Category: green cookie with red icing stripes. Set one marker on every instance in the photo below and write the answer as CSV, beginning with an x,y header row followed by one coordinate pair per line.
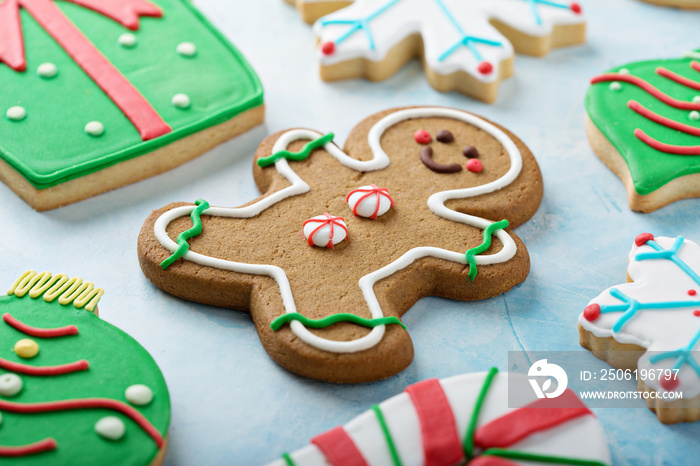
x,y
644,123
464,419
97,94
74,390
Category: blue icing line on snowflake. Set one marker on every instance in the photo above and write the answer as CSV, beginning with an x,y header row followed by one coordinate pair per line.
x,y
534,3
669,254
466,40
683,355
359,24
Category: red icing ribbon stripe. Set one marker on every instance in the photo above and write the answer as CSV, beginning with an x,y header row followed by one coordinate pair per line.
x,y
490,461
339,449
682,80
26,450
535,417
86,403
39,332
76,366
441,443
11,42
639,82
124,12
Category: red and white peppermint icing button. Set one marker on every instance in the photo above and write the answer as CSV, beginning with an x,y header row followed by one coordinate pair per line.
x,y
325,230
369,201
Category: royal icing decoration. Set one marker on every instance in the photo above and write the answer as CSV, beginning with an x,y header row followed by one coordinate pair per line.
x,y
436,203
656,311
463,418
94,128
369,201
325,230
181,101
139,395
16,113
85,365
458,36
112,79
646,116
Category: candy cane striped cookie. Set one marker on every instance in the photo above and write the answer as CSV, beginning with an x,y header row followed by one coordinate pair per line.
x,y
485,419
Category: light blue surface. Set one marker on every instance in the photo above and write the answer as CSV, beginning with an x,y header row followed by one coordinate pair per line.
x,y
231,403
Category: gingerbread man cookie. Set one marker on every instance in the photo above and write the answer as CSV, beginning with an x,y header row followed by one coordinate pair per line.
x,y
651,325
74,390
644,124
344,242
466,419
466,46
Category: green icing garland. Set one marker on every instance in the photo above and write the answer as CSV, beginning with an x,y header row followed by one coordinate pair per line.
x,y
280,321
116,361
471,253
608,109
182,245
49,147
296,156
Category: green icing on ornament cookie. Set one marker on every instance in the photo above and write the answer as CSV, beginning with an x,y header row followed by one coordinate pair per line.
x,y
645,109
50,147
116,362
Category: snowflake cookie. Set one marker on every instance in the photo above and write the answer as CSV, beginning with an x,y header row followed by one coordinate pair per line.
x,y
73,388
343,242
466,419
644,124
465,45
97,94
652,324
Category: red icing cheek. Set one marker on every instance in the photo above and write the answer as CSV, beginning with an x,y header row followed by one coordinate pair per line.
x,y
474,165
592,312
422,136
643,238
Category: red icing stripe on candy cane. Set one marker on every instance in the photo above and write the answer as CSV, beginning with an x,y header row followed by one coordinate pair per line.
x,y
339,449
667,99
530,419
30,449
86,403
490,461
662,120
76,366
441,443
39,332
667,148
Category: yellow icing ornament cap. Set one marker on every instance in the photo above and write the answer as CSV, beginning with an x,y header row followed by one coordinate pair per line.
x,y
73,290
26,348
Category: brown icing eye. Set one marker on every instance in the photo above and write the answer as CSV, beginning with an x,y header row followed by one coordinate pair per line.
x,y
444,136
470,152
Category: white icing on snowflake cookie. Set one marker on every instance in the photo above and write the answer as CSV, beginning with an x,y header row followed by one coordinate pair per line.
x,y
467,46
467,417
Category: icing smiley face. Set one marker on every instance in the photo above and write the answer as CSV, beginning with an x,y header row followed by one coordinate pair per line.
x,y
446,137
434,241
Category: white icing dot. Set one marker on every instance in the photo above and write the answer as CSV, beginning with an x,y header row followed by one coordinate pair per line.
x,y
110,427
694,115
127,40
94,128
16,113
696,99
139,395
615,86
319,230
187,49
10,384
181,101
623,71
47,70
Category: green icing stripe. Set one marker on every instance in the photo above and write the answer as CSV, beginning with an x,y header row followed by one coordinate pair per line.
x,y
182,245
296,156
387,435
525,456
288,459
471,427
471,259
333,319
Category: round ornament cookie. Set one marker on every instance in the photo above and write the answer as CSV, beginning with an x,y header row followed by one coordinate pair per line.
x,y
99,94
468,419
467,46
651,324
643,121
74,390
333,313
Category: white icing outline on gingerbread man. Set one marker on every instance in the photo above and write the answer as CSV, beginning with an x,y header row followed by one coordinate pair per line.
x,y
436,203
